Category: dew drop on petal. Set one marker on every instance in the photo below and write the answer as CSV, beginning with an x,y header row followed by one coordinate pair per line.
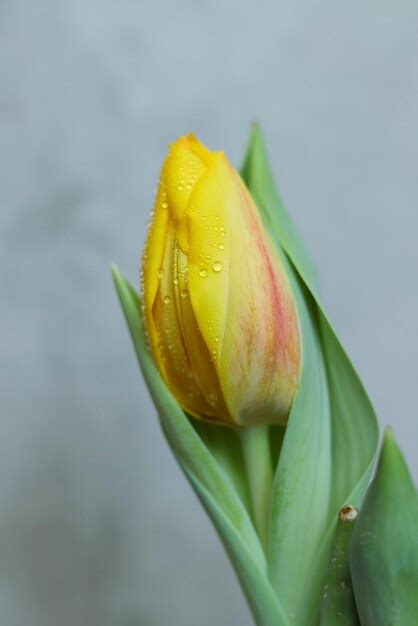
x,y
203,272
217,266
166,299
212,398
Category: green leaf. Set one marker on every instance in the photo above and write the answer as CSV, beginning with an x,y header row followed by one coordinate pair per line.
x,y
338,603
384,546
258,591
300,501
212,475
331,438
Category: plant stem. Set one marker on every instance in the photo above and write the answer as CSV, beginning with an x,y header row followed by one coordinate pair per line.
x,y
258,463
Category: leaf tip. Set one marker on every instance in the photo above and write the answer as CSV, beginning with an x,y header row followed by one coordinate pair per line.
x,y
115,271
117,279
348,513
256,137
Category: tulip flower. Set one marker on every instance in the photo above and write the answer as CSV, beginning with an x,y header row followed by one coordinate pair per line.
x,y
219,311
219,333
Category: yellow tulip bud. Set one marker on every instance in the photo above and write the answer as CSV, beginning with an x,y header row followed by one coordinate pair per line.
x,y
218,308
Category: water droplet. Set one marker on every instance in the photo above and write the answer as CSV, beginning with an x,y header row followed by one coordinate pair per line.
x,y
164,204
183,293
189,186
166,299
217,266
180,187
216,339
176,281
221,246
160,273
203,272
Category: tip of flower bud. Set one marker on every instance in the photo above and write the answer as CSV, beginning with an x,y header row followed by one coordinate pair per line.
x,y
191,144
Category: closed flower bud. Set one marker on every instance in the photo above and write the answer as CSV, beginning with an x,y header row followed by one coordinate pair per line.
x,y
218,308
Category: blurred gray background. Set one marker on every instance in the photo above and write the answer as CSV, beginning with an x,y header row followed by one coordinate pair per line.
x,y
97,525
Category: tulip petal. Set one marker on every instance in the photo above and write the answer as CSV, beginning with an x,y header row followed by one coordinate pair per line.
x,y
241,299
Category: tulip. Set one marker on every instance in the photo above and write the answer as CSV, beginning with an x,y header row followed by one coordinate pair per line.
x,y
218,308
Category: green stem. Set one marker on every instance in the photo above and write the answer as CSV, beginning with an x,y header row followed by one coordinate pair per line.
x,y
257,457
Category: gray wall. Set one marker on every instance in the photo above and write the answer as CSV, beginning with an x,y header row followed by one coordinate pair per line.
x,y
97,525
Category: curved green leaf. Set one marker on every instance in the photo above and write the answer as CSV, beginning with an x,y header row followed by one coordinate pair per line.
x,y
206,473
331,438
384,545
260,594
300,501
